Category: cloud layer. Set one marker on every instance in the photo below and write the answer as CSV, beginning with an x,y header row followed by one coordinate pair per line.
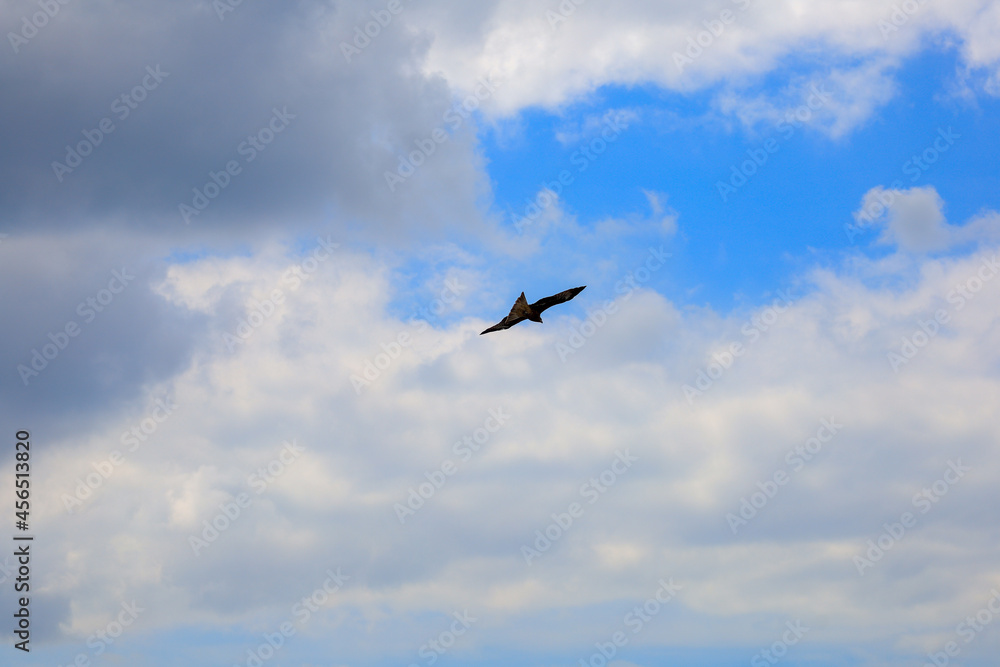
x,y
851,383
246,255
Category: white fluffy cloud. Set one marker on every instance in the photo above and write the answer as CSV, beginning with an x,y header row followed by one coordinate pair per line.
x,y
553,54
915,220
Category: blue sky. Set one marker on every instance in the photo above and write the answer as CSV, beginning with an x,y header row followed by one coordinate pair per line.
x,y
269,432
762,234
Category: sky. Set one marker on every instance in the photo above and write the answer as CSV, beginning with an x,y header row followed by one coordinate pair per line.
x,y
247,248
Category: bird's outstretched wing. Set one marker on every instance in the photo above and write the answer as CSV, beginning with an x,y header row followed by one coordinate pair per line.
x,y
499,326
518,313
550,301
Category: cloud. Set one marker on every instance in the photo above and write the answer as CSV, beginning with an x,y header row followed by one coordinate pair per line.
x,y
835,103
90,332
203,133
980,50
668,216
824,356
915,221
551,62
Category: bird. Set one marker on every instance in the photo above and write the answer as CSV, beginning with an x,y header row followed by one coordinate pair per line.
x,y
522,310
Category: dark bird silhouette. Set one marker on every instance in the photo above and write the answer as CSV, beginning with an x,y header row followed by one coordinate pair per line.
x,y
522,310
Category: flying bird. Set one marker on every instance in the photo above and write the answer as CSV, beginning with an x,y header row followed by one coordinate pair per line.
x,y
522,310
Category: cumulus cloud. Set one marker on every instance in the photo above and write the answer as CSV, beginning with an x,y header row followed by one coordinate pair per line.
x,y
822,356
552,56
915,221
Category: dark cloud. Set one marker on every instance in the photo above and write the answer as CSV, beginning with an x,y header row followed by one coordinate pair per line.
x,y
86,330
184,94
